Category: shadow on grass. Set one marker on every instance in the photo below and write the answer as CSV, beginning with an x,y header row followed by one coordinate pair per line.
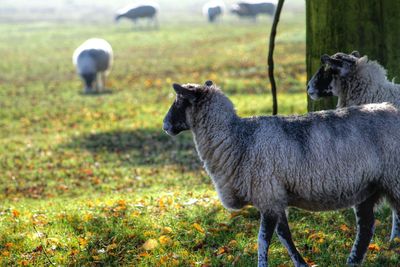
x,y
95,93
142,147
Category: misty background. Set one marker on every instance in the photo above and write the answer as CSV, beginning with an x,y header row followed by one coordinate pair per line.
x,y
102,11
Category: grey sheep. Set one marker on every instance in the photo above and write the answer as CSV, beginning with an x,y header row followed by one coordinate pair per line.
x,y
321,161
253,9
139,10
213,9
356,81
93,60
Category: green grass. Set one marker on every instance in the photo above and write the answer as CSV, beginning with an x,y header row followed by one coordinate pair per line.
x,y
93,180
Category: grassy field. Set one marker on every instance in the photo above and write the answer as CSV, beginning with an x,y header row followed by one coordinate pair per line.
x,y
92,180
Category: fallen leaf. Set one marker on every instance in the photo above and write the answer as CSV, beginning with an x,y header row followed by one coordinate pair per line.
x,y
164,240
144,254
111,246
232,243
222,250
15,213
344,228
198,228
150,244
167,230
374,247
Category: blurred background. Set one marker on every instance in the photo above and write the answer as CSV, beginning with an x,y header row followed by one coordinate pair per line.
x,y
102,11
91,179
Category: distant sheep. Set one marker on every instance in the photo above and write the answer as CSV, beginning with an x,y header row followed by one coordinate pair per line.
x,y
93,60
138,11
324,160
253,9
213,9
356,81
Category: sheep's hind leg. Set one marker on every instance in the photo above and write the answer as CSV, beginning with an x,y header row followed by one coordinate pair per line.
x,y
99,82
365,229
395,225
285,237
393,195
103,81
267,228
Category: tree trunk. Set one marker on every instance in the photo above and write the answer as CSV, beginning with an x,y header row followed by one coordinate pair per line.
x,y
370,27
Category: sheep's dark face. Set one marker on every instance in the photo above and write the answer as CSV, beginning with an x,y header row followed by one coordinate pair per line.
x,y
186,96
327,80
321,84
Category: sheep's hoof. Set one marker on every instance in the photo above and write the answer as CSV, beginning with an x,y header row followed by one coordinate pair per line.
x,y
353,262
88,90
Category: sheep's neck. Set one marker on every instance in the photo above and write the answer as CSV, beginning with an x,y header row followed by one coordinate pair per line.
x,y
218,147
213,138
363,87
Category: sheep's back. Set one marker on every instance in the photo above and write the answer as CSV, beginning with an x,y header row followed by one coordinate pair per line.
x,y
329,155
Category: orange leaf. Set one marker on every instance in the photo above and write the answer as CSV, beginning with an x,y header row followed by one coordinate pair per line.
x,y
144,254
222,250
82,241
374,247
15,213
344,228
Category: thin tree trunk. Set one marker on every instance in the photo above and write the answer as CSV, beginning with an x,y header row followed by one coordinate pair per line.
x,y
271,57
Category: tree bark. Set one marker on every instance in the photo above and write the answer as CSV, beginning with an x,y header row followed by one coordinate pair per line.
x,y
370,27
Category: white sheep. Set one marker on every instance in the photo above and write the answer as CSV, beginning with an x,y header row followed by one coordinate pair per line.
x,y
324,160
93,60
213,9
355,80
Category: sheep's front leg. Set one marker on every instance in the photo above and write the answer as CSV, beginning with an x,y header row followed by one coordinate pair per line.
x,y
267,228
365,230
98,83
395,225
285,237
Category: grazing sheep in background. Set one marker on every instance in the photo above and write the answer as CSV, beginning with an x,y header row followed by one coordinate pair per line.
x,y
253,9
213,9
93,60
139,10
324,160
356,81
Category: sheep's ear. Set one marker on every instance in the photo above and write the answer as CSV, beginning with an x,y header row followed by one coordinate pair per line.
x,y
356,54
340,66
186,93
208,83
325,58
